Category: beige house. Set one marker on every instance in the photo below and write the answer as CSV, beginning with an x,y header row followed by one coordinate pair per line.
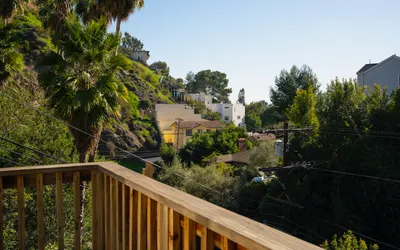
x,y
182,131
167,114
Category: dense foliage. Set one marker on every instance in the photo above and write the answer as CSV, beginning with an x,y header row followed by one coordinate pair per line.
x,y
288,82
348,241
223,141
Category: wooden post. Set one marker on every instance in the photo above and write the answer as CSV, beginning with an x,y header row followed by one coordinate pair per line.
x,y
1,214
162,227
141,221
285,142
174,230
151,224
40,210
95,225
133,218
77,210
59,211
21,214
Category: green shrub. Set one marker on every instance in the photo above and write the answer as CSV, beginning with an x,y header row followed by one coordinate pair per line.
x,y
167,153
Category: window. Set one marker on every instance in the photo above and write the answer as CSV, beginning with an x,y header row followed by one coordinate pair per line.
x,y
238,117
226,107
188,132
200,131
208,130
226,118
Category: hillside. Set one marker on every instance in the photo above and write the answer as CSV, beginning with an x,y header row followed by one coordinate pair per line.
x,y
133,129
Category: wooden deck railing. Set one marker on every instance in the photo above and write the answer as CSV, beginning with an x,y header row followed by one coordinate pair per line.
x,y
132,211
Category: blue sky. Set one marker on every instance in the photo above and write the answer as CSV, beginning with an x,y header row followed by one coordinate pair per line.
x,y
252,41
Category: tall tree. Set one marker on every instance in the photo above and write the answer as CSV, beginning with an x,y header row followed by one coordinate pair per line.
x,y
241,98
160,67
302,112
120,10
289,82
80,80
130,44
210,82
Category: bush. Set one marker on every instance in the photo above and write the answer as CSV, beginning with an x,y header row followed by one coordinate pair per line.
x,y
348,242
207,183
167,153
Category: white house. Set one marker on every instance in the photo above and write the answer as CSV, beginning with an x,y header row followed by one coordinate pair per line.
x,y
385,73
141,56
229,112
199,97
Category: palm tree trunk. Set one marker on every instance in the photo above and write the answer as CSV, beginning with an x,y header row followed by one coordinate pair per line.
x,y
118,26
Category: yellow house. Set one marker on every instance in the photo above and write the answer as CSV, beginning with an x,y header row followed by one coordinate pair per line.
x,y
182,131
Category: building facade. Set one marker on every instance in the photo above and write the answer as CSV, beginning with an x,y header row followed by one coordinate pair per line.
x,y
229,112
167,114
182,131
141,56
199,97
385,73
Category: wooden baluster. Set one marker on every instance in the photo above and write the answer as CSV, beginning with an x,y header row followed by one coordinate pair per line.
x,y
133,216
189,234
100,209
125,216
77,210
40,210
95,221
162,227
1,214
151,224
141,221
107,211
207,239
228,244
59,211
112,214
174,230
21,215
118,214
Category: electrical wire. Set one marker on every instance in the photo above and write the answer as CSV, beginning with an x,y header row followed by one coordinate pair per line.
x,y
14,162
33,159
32,149
357,175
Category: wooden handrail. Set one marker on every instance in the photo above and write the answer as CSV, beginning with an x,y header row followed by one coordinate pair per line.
x,y
133,211
246,232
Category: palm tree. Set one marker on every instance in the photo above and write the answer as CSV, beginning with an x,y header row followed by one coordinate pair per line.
x,y
121,9
80,80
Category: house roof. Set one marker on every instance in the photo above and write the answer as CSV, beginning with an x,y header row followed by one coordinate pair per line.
x,y
370,66
241,157
194,124
366,67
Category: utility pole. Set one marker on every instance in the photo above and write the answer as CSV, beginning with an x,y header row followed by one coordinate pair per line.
x,y
179,127
285,142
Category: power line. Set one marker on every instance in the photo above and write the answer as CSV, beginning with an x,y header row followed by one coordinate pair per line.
x,y
33,159
14,162
32,149
354,174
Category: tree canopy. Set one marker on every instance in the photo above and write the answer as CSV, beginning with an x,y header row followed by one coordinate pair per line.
x,y
288,82
130,44
160,67
213,83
